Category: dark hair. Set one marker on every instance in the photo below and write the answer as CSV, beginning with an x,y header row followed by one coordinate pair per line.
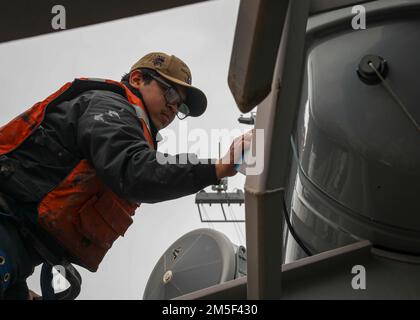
x,y
145,72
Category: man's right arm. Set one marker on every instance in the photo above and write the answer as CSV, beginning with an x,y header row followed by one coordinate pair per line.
x,y
111,137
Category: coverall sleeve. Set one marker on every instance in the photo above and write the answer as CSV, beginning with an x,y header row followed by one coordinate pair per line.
x,y
110,136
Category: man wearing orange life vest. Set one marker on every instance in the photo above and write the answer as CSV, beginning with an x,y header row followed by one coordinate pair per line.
x,y
74,167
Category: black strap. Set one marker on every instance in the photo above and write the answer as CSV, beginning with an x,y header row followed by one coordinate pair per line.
x,y
71,275
46,282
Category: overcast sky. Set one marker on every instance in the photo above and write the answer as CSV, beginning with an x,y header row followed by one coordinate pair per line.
x,y
201,35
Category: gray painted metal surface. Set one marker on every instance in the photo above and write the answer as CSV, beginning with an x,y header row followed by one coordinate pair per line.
x,y
358,156
318,217
264,193
318,6
254,52
335,275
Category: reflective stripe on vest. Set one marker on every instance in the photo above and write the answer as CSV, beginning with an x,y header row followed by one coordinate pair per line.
x,y
81,212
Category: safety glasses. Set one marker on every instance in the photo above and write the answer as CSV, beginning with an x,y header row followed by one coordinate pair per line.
x,y
173,97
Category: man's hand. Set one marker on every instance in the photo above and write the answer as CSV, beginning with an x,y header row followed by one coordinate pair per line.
x,y
225,167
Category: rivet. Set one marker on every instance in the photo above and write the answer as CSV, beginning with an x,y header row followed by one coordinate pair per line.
x,y
167,277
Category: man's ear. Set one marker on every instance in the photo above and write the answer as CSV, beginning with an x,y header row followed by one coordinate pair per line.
x,y
135,78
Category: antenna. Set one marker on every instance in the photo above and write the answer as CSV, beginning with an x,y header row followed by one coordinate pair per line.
x,y
197,260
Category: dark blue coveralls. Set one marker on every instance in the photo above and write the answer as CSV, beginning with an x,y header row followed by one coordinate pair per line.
x,y
17,259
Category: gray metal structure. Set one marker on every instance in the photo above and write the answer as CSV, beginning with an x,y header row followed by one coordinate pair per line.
x,y
328,276
356,160
338,109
